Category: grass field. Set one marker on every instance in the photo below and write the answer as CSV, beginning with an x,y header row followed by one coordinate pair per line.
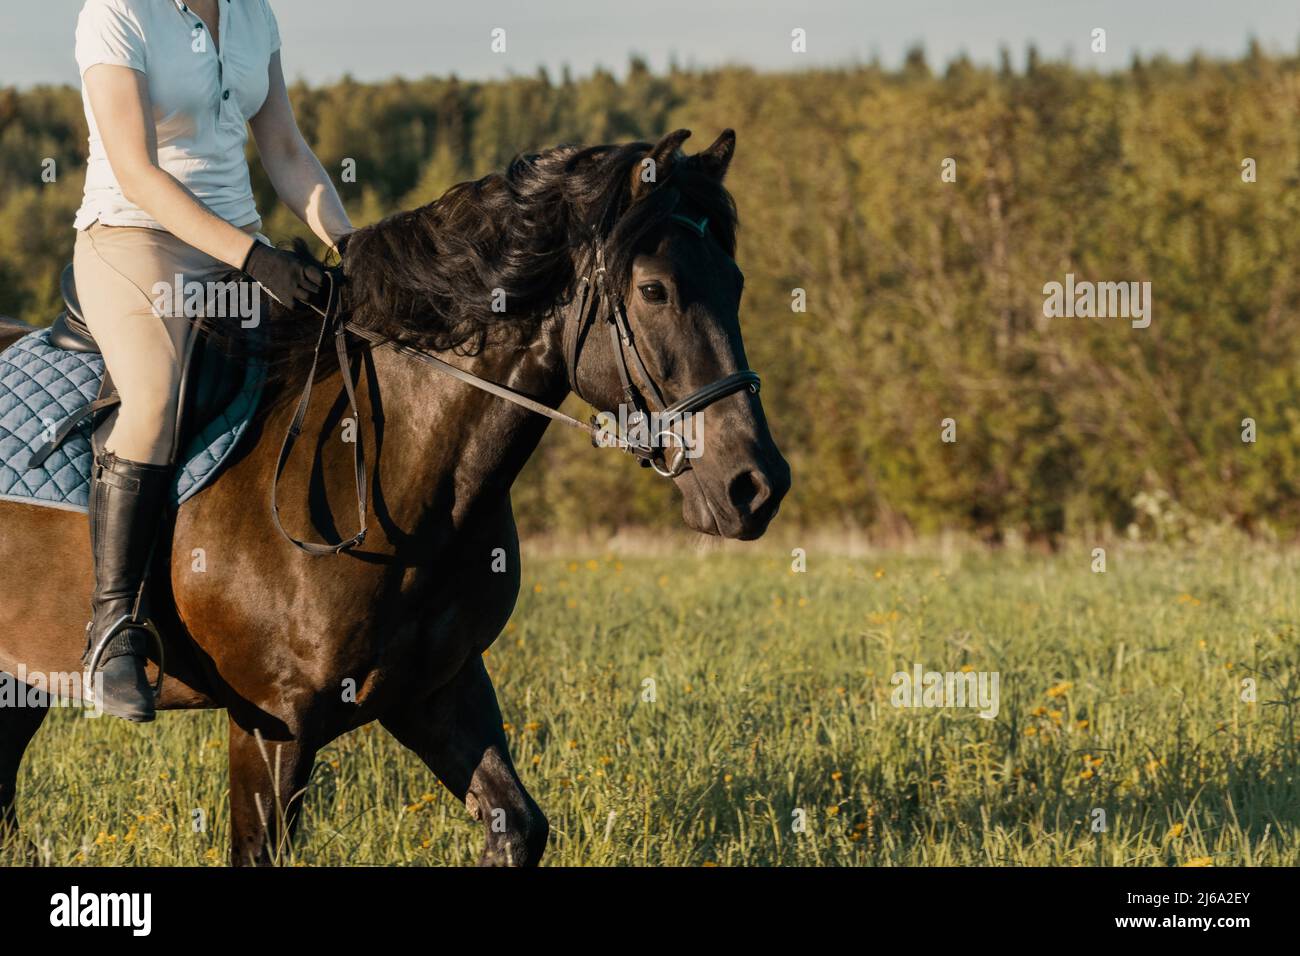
x,y
1120,692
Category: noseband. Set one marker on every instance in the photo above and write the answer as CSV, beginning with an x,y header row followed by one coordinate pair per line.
x,y
635,378
609,302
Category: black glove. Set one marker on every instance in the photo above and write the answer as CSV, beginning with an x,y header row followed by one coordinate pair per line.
x,y
292,279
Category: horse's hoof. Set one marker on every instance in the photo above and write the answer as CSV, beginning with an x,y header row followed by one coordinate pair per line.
x,y
126,691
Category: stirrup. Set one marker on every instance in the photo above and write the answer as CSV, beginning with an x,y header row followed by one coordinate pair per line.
x,y
125,621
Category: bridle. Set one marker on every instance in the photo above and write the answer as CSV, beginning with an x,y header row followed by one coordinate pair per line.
x,y
609,301
636,381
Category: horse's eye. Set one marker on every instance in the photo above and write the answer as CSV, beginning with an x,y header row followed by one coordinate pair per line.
x,y
654,292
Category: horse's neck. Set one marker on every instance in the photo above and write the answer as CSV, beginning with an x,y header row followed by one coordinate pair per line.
x,y
450,445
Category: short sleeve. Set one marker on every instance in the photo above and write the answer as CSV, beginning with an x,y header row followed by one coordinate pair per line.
x,y
272,26
109,32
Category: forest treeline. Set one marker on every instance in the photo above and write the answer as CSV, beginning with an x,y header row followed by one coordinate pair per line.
x,y
924,297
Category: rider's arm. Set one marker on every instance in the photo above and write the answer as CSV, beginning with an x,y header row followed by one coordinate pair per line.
x,y
119,97
297,175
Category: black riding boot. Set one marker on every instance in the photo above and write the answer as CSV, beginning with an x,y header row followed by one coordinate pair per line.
x,y
126,502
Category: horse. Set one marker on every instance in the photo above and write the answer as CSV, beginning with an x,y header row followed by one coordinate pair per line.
x,y
300,648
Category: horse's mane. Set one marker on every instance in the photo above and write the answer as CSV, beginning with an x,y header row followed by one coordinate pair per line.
x,y
492,259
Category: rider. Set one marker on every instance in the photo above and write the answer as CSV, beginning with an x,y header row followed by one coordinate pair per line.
x,y
170,88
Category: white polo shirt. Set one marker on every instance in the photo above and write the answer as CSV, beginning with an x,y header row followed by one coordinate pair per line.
x,y
203,97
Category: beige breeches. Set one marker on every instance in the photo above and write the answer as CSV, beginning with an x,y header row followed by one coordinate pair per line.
x,y
117,269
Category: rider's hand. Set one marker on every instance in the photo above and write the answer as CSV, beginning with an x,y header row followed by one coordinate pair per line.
x,y
292,279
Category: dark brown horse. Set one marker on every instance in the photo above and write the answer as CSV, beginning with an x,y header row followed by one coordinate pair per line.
x,y
279,638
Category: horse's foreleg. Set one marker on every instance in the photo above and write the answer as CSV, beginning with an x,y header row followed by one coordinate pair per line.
x,y
268,779
17,727
457,732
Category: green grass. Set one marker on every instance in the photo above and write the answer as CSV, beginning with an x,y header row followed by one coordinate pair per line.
x,y
1120,692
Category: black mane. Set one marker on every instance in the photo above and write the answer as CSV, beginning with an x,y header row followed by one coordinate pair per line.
x,y
428,277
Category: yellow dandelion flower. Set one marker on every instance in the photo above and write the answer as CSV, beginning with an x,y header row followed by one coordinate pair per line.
x,y
837,776
1175,831
1060,690
1199,861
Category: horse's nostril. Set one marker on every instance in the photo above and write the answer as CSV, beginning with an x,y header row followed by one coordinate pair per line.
x,y
748,492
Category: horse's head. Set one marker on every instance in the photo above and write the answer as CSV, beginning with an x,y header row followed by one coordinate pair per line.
x,y
670,293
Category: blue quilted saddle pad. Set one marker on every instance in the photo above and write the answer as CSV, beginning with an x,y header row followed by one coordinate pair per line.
x,y
41,386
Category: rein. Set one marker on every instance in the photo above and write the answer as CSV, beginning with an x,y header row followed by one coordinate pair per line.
x,y
607,300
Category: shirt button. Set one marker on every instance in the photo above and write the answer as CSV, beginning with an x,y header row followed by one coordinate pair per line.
x,y
226,95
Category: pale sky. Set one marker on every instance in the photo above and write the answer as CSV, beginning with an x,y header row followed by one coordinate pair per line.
x,y
377,39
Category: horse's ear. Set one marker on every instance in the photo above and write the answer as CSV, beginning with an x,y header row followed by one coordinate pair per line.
x,y
717,157
658,163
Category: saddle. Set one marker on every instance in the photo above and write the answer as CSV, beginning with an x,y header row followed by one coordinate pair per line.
x,y
54,391
210,380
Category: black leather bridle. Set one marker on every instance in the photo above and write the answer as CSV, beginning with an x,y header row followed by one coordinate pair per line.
x,y
597,300
609,301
